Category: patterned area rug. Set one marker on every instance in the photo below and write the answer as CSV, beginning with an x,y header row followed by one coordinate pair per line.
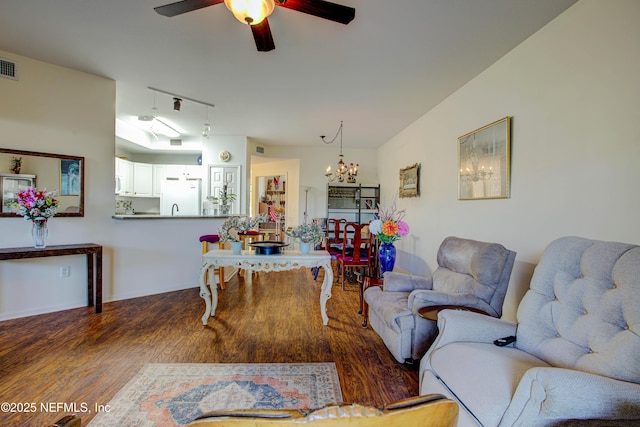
x,y
173,394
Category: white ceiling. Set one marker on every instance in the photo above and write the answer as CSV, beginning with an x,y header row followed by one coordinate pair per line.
x,y
389,66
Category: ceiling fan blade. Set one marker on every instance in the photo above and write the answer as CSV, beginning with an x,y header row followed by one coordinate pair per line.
x,y
321,9
184,6
262,36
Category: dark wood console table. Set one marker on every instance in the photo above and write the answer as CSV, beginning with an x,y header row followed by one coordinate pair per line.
x,y
90,249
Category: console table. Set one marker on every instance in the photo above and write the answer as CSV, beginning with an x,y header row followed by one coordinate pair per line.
x,y
90,249
249,260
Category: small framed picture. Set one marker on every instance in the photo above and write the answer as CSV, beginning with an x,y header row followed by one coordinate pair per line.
x,y
410,181
69,177
368,203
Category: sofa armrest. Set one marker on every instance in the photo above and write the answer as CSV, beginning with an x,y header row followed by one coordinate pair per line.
x,y
457,325
547,394
427,298
400,282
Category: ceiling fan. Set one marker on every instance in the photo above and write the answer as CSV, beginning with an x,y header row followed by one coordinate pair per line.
x,y
255,13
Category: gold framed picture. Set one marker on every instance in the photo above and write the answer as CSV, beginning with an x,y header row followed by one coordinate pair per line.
x,y
410,181
484,162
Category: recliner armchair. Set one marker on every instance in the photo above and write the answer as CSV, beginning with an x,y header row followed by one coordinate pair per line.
x,y
470,274
575,356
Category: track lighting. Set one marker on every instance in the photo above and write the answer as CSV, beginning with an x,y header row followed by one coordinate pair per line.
x,y
177,102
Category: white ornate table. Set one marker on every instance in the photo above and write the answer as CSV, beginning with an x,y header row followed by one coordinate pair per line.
x,y
249,260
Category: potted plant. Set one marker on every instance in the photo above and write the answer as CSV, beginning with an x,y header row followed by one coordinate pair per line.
x,y
225,198
307,234
233,227
16,164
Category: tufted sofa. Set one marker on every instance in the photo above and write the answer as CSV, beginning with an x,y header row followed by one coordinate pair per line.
x,y
577,349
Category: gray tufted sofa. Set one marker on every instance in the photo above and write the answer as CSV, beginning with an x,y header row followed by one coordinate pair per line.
x,y
577,349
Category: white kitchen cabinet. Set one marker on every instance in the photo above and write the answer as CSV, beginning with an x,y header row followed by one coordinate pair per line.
x,y
183,171
159,174
142,179
124,177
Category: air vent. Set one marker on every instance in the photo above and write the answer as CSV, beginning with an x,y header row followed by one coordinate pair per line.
x,y
8,69
175,142
259,149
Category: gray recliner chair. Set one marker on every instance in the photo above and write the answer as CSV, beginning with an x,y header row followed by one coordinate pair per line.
x,y
470,274
575,359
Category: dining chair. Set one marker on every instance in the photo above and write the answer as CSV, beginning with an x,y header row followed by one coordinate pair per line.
x,y
356,249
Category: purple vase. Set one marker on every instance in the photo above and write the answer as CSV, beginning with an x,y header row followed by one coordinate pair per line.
x,y
387,257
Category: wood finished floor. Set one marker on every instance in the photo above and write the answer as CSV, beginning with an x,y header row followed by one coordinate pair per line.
x,y
78,356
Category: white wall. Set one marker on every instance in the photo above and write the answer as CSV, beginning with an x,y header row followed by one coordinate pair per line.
x,y
572,90
57,110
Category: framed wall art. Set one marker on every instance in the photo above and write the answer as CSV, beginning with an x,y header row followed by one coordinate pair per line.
x,y
484,162
69,177
410,181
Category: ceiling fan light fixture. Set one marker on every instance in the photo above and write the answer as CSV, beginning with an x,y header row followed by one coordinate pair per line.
x,y
250,12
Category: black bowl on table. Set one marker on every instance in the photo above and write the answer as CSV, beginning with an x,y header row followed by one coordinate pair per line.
x,y
268,247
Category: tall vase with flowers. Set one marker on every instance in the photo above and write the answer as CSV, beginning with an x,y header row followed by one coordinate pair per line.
x,y
233,227
308,234
388,228
37,206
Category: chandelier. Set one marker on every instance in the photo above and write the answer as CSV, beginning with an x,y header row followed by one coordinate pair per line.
x,y
474,170
476,174
343,170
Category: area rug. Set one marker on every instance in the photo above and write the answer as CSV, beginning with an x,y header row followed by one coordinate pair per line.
x,y
174,394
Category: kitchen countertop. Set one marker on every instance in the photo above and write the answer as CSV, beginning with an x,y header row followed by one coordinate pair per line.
x,y
156,216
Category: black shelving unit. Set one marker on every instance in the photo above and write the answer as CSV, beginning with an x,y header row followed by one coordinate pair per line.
x,y
353,202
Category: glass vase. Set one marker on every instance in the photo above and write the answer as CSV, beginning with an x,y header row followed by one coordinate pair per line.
x,y
387,257
39,233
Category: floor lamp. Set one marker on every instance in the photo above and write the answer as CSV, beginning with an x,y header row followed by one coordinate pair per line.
x,y
306,196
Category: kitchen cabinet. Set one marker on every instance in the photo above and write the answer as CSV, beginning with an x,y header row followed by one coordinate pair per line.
x,y
135,179
10,185
159,174
124,177
356,202
183,171
142,180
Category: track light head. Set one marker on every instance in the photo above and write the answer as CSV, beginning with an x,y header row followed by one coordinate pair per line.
x,y
177,103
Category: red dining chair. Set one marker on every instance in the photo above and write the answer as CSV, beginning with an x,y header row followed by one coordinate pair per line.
x,y
356,249
333,242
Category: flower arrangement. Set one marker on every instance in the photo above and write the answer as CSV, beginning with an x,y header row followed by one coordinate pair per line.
x,y
307,232
235,225
389,226
36,205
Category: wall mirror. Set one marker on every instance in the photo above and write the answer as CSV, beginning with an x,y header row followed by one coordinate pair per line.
x,y
59,172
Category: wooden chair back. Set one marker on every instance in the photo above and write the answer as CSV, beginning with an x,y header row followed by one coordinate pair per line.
x,y
422,411
335,227
356,244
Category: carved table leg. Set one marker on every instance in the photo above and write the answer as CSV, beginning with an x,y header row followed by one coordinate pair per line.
x,y
205,294
325,292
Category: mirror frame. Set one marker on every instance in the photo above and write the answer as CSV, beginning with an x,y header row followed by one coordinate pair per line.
x,y
55,156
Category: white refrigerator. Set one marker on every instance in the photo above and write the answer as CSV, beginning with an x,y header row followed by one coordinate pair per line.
x,y
180,197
